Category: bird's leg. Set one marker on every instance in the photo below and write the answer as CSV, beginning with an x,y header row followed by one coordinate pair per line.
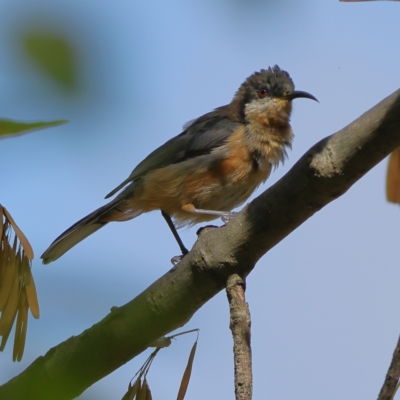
x,y
171,225
225,215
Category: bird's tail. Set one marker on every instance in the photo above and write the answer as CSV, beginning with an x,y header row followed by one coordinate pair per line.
x,y
79,231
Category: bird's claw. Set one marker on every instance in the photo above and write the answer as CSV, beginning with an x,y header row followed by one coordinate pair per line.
x,y
228,216
176,259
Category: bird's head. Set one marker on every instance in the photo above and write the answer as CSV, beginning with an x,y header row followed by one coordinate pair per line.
x,y
268,92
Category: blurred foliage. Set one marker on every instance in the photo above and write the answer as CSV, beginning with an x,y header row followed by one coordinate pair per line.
x,y
9,127
58,61
17,287
54,55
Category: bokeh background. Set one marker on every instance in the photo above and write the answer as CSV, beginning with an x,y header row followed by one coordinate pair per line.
x,y
127,75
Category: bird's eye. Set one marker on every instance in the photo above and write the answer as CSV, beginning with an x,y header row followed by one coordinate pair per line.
x,y
262,93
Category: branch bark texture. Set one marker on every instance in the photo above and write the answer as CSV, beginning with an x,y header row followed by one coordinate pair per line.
x,y
323,174
240,326
392,377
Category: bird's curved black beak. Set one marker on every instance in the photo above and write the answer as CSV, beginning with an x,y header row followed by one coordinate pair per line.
x,y
299,93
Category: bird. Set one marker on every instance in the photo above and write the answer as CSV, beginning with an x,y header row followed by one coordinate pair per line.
x,y
209,169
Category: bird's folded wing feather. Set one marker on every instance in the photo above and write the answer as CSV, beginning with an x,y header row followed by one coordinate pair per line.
x,y
201,137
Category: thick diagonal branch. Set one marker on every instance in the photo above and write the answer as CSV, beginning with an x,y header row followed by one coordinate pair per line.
x,y
324,173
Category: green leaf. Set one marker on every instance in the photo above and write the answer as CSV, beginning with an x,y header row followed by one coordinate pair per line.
x,y
54,55
9,127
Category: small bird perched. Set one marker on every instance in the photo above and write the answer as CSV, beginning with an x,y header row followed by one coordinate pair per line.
x,y
213,166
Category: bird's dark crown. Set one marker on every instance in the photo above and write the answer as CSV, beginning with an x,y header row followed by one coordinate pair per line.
x,y
275,81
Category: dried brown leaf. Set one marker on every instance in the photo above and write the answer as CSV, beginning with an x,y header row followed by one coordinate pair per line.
x,y
30,288
21,327
13,256
10,272
187,373
142,392
1,223
393,177
4,251
22,238
148,391
9,312
132,390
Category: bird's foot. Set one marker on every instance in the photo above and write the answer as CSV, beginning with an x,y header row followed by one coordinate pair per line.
x,y
228,216
176,259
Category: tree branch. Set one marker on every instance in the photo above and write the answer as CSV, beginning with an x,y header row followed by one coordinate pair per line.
x,y
324,173
392,377
240,326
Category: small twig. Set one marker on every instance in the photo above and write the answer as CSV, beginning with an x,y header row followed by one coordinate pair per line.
x,y
392,377
240,326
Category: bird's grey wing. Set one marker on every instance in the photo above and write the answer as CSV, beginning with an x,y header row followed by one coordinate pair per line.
x,y
200,137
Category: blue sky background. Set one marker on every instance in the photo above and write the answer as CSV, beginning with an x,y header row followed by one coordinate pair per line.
x,y
324,302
